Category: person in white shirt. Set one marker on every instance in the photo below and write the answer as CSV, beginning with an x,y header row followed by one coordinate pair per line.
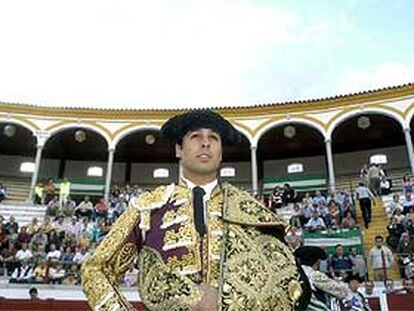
x,y
24,253
56,273
80,256
315,223
22,274
380,259
74,227
365,197
356,301
53,254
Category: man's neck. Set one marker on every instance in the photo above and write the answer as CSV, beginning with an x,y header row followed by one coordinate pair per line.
x,y
200,180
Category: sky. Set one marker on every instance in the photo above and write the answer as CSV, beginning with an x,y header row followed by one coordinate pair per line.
x,y
186,54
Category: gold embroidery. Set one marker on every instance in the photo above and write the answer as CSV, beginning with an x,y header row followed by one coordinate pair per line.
x,y
101,272
257,272
162,288
243,209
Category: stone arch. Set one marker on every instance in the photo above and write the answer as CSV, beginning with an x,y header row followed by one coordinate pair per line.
x,y
276,123
65,126
129,130
334,123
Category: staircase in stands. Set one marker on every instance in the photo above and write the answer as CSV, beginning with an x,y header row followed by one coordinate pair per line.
x,y
18,189
16,204
378,226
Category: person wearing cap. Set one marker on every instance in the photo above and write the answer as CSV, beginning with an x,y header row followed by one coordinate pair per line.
x,y
322,286
201,244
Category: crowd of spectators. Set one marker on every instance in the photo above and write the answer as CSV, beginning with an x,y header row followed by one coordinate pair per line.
x,y
52,251
401,228
317,211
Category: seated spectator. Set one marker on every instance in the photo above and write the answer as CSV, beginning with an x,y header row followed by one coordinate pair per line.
x,y
39,252
83,241
68,206
288,195
409,227
323,211
318,199
348,222
39,273
53,207
49,191
47,225
67,257
69,241
13,236
385,186
334,211
24,253
23,236
9,258
33,226
341,264
407,184
39,238
74,227
131,277
22,274
103,229
315,223
399,217
394,233
359,267
54,238
410,215
308,211
80,256
56,273
2,192
87,228
394,205
11,223
276,198
408,202
348,207
72,276
4,239
297,216
120,207
59,226
101,209
356,300
53,254
84,209
405,246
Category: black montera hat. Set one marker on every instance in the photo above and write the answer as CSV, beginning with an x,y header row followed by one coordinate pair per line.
x,y
309,255
175,128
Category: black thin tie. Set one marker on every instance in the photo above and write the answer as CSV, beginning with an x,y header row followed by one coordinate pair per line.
x,y
198,194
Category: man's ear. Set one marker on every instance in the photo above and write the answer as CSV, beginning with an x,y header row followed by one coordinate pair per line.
x,y
178,151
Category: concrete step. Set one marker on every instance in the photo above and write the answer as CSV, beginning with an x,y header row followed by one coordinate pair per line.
x,y
23,212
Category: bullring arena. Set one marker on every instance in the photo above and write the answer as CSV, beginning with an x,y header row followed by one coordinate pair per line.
x,y
112,155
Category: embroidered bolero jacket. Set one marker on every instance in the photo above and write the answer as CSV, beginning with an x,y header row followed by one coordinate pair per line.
x,y
252,270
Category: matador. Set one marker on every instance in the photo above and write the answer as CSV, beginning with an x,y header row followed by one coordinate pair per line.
x,y
200,244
